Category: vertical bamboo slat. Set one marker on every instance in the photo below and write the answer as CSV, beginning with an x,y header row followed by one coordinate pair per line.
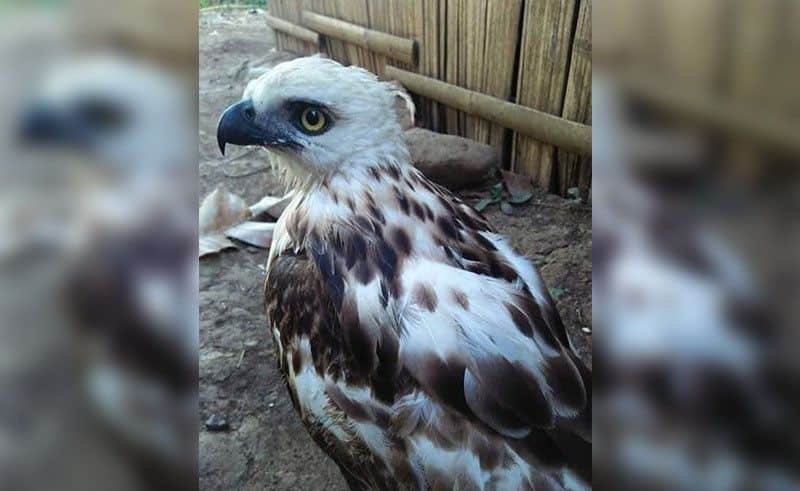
x,y
452,48
355,11
275,9
333,47
578,99
461,67
290,10
442,48
426,19
474,43
379,20
502,38
547,27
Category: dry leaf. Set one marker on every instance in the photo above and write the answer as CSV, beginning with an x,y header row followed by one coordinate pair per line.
x,y
518,199
218,212
482,204
211,244
258,234
271,205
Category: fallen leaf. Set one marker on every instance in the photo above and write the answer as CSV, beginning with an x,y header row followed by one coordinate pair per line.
x,y
482,204
518,199
497,192
506,208
517,184
219,211
258,234
211,244
271,205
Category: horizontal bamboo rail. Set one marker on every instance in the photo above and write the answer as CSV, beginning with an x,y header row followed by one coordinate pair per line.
x,y
560,132
293,30
395,47
774,132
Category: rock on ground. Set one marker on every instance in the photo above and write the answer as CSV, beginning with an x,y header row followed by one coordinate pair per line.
x,y
450,160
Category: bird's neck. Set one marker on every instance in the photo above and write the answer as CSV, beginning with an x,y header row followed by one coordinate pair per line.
x,y
354,167
346,199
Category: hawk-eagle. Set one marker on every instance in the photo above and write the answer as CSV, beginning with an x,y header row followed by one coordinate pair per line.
x,y
419,350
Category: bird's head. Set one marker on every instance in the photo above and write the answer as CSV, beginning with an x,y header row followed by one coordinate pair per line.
x,y
120,112
316,116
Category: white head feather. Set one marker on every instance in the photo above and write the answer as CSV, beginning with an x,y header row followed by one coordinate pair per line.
x,y
365,129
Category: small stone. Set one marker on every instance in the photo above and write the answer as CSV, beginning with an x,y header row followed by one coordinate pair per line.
x,y
586,330
215,422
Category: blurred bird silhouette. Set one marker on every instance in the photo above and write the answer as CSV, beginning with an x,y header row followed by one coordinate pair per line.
x,y
685,397
129,236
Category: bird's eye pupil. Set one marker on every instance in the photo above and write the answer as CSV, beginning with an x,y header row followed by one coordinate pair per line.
x,y
313,120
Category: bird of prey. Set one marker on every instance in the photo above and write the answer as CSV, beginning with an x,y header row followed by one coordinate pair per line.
x,y
691,392
125,228
419,350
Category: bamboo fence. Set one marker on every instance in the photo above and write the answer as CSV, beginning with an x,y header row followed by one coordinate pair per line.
x,y
519,71
724,67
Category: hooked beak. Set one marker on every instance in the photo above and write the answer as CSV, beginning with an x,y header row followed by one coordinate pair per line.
x,y
240,125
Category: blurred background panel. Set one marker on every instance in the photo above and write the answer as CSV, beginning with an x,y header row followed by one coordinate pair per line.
x,y
98,227
695,239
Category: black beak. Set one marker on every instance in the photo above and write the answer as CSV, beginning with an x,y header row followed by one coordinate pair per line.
x,y
238,126
43,125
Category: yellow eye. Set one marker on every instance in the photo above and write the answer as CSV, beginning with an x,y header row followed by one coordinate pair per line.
x,y
312,119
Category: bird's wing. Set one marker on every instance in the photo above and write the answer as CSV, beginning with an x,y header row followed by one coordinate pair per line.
x,y
475,343
482,346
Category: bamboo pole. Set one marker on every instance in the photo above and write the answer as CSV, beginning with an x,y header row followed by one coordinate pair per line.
x,y
294,30
545,127
771,130
395,47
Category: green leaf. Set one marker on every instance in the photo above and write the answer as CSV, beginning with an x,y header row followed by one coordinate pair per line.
x,y
506,208
497,191
518,199
482,204
555,291
574,192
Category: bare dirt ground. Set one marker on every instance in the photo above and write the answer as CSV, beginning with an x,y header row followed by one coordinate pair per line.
x,y
265,446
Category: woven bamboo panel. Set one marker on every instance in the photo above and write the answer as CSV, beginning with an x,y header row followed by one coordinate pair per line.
x,y
543,65
291,10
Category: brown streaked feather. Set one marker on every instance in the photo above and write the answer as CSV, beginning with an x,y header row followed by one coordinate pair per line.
x,y
484,403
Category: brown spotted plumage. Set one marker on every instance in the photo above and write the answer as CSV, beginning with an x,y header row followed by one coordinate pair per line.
x,y
419,350
357,299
